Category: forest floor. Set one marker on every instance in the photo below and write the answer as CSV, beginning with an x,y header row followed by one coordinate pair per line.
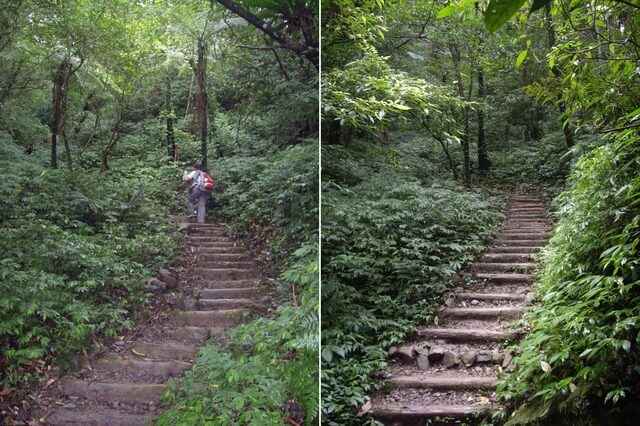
x,y
450,371
215,286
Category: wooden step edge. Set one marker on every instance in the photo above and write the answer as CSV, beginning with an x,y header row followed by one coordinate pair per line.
x,y
481,313
467,334
444,383
67,417
160,368
406,412
100,391
489,296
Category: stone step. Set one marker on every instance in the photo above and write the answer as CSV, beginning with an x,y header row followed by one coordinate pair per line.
x,y
413,414
163,351
224,256
228,293
143,367
482,313
507,257
68,417
489,296
207,319
526,209
112,392
528,216
215,250
223,264
211,304
531,236
467,334
525,221
225,284
444,383
520,243
227,273
513,250
503,278
504,267
195,336
215,244
197,239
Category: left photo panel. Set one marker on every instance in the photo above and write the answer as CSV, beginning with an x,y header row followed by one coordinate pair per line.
x,y
159,212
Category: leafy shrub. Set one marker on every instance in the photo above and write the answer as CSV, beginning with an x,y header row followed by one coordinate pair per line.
x,y
76,249
391,246
586,326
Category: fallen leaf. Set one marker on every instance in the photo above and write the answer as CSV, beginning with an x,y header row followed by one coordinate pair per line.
x,y
572,387
545,366
137,353
366,407
49,382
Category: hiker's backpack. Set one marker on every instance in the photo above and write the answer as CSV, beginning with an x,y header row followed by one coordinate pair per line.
x,y
206,183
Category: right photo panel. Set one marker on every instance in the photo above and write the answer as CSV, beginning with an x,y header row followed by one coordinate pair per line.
x,y
480,212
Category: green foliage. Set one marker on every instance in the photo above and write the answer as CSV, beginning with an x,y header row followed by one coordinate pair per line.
x,y
268,371
391,246
275,196
586,324
76,249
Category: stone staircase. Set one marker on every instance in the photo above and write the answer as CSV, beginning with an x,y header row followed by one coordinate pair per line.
x,y
123,388
450,371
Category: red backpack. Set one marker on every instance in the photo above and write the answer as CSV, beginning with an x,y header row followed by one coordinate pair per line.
x,y
206,183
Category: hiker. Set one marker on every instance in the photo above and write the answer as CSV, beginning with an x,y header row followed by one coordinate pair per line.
x,y
200,188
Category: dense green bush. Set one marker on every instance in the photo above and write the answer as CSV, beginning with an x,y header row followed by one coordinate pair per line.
x,y
76,249
391,245
580,363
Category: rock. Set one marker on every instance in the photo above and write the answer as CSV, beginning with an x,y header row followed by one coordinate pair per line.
x,y
474,302
120,343
528,298
497,357
451,301
450,359
468,358
155,286
484,356
421,348
189,304
507,360
169,278
406,353
435,354
392,350
423,361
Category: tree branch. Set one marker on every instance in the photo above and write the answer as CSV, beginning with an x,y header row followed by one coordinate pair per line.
x,y
308,52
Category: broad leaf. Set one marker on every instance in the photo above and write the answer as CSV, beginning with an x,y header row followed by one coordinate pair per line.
x,y
500,11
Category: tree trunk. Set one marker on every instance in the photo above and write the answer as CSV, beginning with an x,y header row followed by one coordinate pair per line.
x,y
483,159
455,57
59,105
115,136
171,140
567,128
202,100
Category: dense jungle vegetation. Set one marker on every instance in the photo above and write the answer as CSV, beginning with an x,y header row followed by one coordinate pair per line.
x,y
103,104
431,110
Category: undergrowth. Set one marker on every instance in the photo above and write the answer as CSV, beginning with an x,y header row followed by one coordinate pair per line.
x,y
76,248
580,363
393,239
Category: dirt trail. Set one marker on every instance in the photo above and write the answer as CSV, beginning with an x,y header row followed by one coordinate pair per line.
x,y
123,387
450,372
